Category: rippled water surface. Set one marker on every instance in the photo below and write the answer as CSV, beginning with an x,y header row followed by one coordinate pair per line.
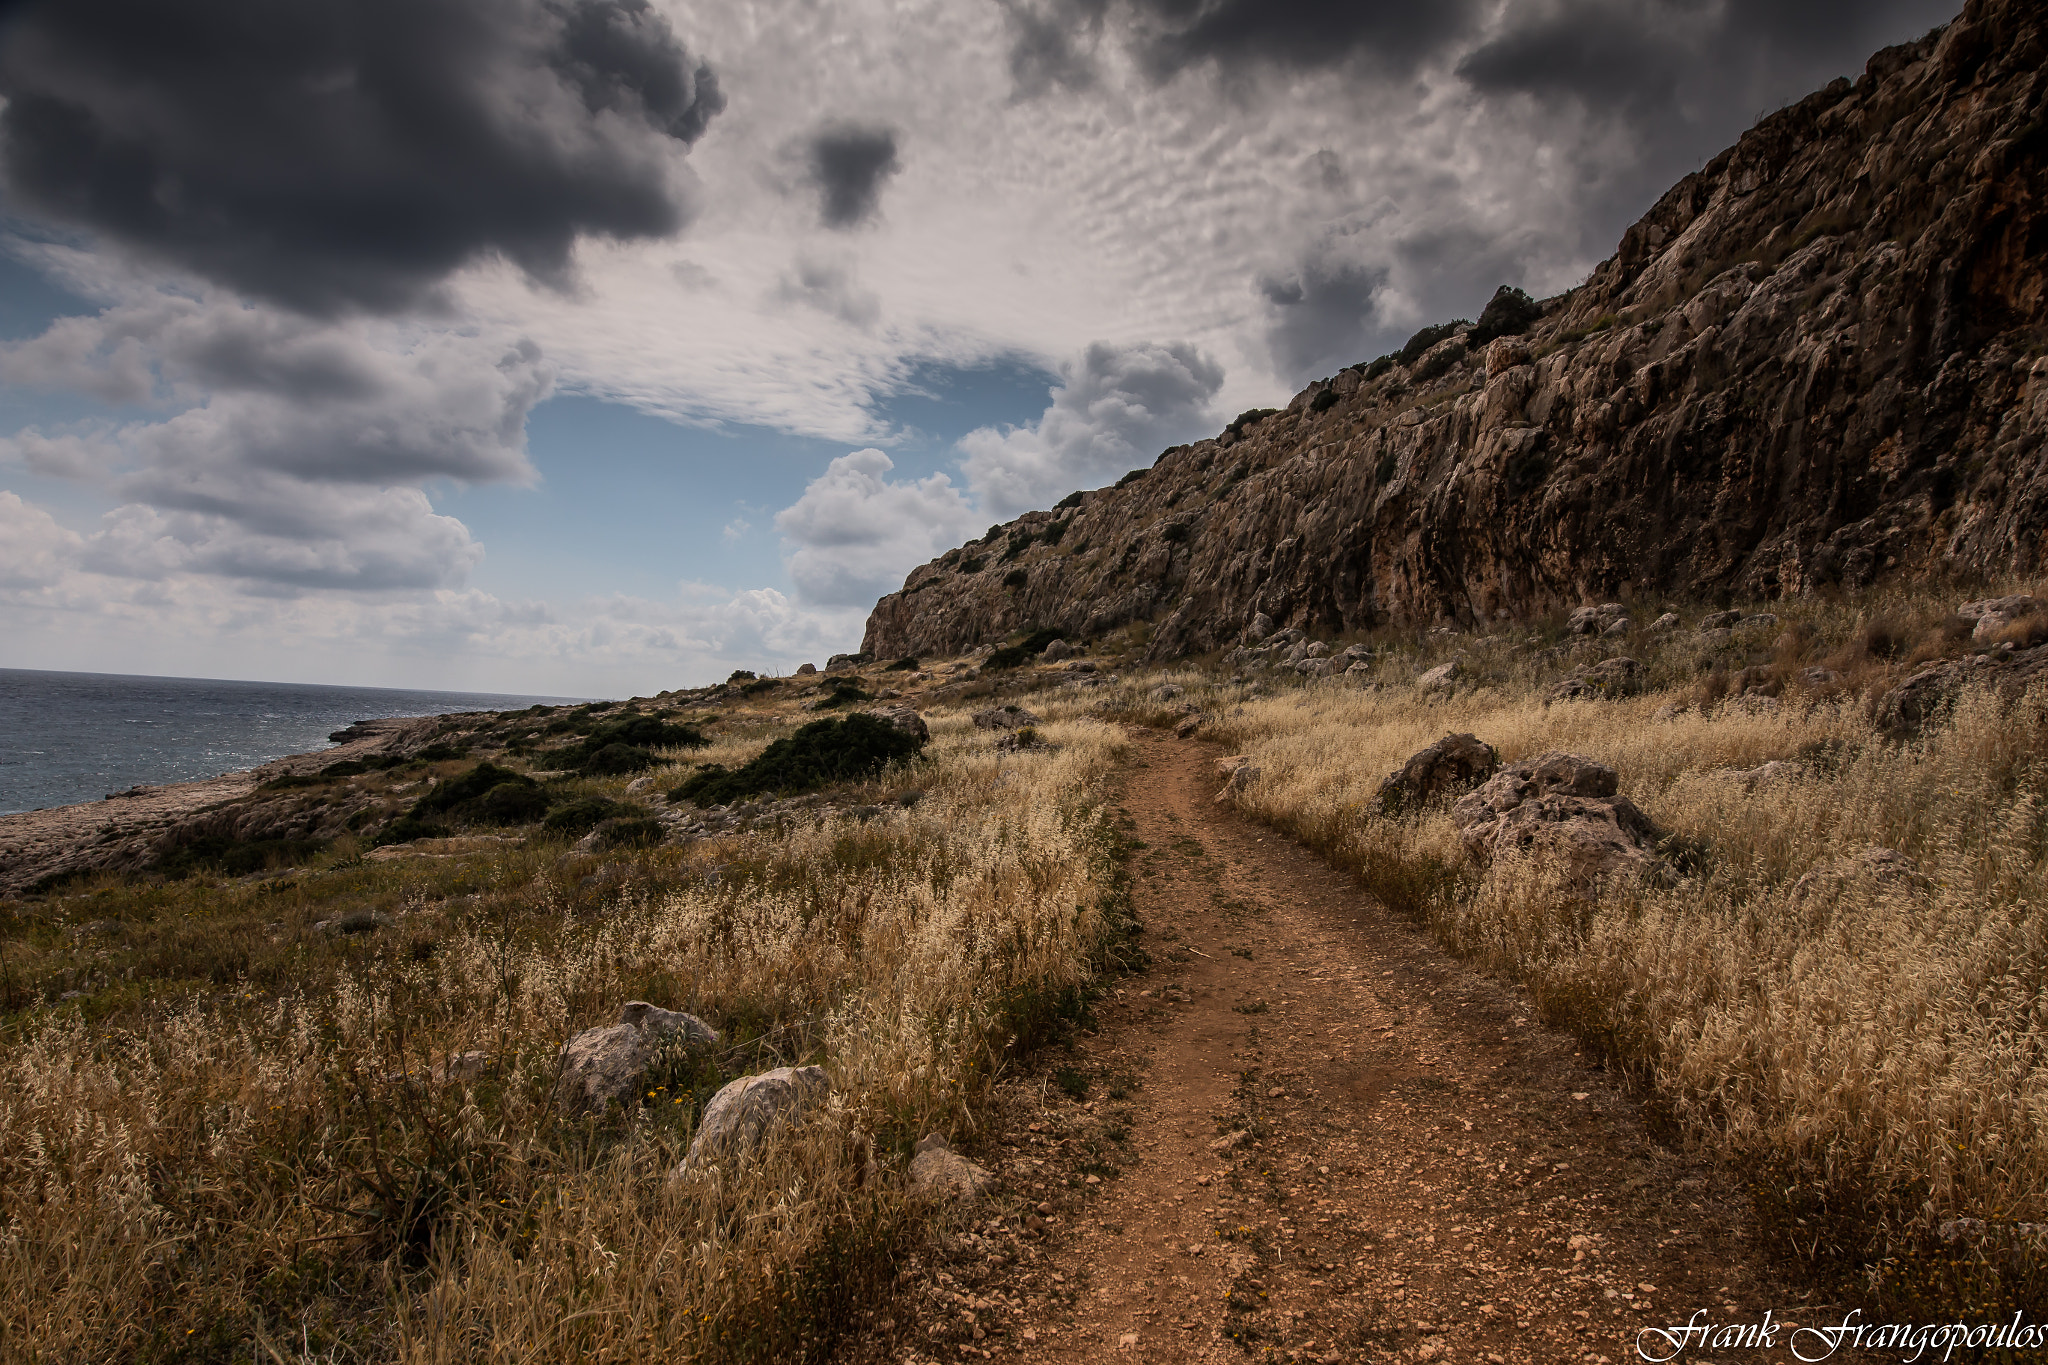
x,y
68,737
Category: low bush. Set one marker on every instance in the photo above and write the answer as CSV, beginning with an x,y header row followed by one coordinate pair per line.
x,y
577,818
1025,650
1132,477
1425,339
1016,578
1247,419
907,664
1324,400
1510,312
824,751
1072,499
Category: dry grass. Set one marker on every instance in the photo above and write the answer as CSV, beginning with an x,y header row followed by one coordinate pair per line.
x,y
1872,1046
258,1169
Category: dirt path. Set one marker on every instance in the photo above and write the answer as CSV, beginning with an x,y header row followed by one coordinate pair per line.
x,y
1349,1147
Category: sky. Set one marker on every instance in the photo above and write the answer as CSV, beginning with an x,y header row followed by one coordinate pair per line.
x,y
601,347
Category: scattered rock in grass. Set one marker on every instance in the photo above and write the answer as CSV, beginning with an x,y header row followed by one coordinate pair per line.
x,y
600,1065
1719,620
806,670
1237,773
1455,763
1763,775
461,1066
1667,622
1442,678
904,718
1993,615
1004,718
1819,676
1598,620
743,1113
1609,678
1562,806
1058,650
938,1174
1186,729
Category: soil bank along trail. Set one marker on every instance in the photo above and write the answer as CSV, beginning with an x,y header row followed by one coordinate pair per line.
x,y
1349,1146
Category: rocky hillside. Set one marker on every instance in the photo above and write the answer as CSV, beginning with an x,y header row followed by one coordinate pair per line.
x,y
1821,360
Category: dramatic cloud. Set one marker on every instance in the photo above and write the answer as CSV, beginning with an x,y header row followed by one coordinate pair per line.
x,y
338,154
1299,34
1321,316
35,551
303,465
1115,410
856,532
848,165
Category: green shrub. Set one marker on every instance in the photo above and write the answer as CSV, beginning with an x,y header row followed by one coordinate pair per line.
x,y
441,753
348,767
974,565
907,664
760,685
823,751
846,692
1072,499
1432,366
513,803
231,857
1025,650
740,675
1051,534
1175,532
459,793
1016,578
1019,543
1324,400
1510,312
598,755
1423,340
1132,477
636,832
577,818
616,760
1379,367
1250,417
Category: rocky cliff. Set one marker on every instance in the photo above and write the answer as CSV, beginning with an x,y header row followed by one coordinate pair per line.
x,y
1821,360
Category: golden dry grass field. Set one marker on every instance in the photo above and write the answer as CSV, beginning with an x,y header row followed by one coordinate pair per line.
x,y
222,1139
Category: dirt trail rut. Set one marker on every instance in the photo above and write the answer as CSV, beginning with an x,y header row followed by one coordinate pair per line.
x,y
1350,1147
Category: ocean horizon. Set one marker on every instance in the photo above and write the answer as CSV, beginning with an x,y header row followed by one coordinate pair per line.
x,y
72,737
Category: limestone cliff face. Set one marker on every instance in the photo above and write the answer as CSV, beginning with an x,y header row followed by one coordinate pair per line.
x,y
1821,360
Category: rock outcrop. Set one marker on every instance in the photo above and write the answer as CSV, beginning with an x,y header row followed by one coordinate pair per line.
x,y
938,1174
1454,764
1817,361
1562,807
600,1066
744,1111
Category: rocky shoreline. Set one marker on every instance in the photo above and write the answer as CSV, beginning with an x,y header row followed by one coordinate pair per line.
x,y
123,828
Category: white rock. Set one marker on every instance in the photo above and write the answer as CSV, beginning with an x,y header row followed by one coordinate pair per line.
x,y
744,1112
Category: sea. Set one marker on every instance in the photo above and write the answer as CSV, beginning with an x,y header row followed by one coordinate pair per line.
x,y
71,737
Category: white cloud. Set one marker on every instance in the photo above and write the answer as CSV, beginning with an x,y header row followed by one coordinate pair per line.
x,y
1118,407
35,552
856,532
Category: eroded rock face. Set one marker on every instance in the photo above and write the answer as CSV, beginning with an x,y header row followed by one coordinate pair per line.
x,y
1455,763
747,1110
1563,807
602,1065
1807,365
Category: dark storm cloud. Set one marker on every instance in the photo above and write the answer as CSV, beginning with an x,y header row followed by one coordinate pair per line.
x,y
1319,317
849,164
342,154
1049,42
1657,54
